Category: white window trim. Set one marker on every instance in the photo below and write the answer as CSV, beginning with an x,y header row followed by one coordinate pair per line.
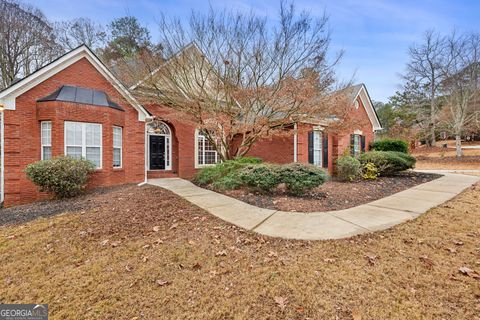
x,y
168,148
121,146
41,139
197,164
84,140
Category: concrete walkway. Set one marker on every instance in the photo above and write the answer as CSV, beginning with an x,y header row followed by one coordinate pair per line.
x,y
377,215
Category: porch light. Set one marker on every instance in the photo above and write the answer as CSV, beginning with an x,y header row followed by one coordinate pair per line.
x,y
2,108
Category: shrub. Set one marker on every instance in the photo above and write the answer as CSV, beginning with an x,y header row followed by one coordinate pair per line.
x,y
408,158
229,182
299,178
388,162
390,145
225,170
63,176
348,168
370,171
263,177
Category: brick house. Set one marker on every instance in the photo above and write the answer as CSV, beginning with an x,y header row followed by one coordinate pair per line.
x,y
75,106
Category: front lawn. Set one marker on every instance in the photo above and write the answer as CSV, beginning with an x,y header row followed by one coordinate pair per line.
x,y
143,253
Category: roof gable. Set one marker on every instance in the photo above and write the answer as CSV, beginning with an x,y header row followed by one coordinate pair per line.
x,y
360,91
8,96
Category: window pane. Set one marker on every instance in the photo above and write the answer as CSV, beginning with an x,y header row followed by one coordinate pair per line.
x,y
317,147
200,149
47,153
74,152
73,133
117,137
93,134
206,151
210,157
93,154
46,132
117,157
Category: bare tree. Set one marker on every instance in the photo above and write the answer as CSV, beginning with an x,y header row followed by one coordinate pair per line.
x,y
73,33
425,69
27,41
461,84
241,79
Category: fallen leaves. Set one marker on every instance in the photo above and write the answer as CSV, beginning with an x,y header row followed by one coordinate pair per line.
x,y
156,228
371,258
356,314
427,262
162,282
221,253
451,250
469,272
281,302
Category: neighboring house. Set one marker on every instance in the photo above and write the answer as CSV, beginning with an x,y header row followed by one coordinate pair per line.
x,y
75,106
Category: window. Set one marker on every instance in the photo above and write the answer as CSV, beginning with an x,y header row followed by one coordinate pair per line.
x,y
84,140
46,139
206,153
357,144
117,147
317,148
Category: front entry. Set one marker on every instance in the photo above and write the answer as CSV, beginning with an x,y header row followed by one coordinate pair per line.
x,y
157,152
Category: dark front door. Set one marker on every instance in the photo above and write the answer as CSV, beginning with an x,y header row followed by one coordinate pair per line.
x,y
157,152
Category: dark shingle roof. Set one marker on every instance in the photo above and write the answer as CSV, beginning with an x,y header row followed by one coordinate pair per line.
x,y
81,95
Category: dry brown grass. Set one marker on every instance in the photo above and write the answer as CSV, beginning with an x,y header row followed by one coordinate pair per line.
x,y
217,271
439,158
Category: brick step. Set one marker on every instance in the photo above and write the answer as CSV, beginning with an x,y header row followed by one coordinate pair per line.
x,y
161,174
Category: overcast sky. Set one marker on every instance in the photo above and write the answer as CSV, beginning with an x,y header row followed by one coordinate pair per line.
x,y
375,34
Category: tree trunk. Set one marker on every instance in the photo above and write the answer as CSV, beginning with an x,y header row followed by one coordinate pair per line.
x,y
433,139
458,145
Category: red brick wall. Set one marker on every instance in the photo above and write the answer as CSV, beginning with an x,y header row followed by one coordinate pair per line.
x,y
365,126
277,149
22,132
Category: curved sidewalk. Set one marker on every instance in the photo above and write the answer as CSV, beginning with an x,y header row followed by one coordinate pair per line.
x,y
377,215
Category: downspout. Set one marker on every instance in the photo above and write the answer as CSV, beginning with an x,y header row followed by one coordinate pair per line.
x,y
295,143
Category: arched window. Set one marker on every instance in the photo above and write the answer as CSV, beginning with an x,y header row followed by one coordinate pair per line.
x,y
158,127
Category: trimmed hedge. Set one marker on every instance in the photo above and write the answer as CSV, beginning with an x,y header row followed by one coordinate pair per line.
x,y
388,162
263,177
348,168
225,174
252,173
390,145
299,178
65,177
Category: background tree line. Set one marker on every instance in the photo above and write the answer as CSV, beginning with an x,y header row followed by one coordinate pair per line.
x,y
440,91
243,80
28,40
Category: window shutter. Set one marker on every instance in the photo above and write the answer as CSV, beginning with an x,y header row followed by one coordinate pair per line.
x,y
352,145
325,150
363,143
310,147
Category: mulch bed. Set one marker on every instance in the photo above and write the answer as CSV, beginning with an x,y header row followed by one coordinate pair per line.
x,y
335,195
24,213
